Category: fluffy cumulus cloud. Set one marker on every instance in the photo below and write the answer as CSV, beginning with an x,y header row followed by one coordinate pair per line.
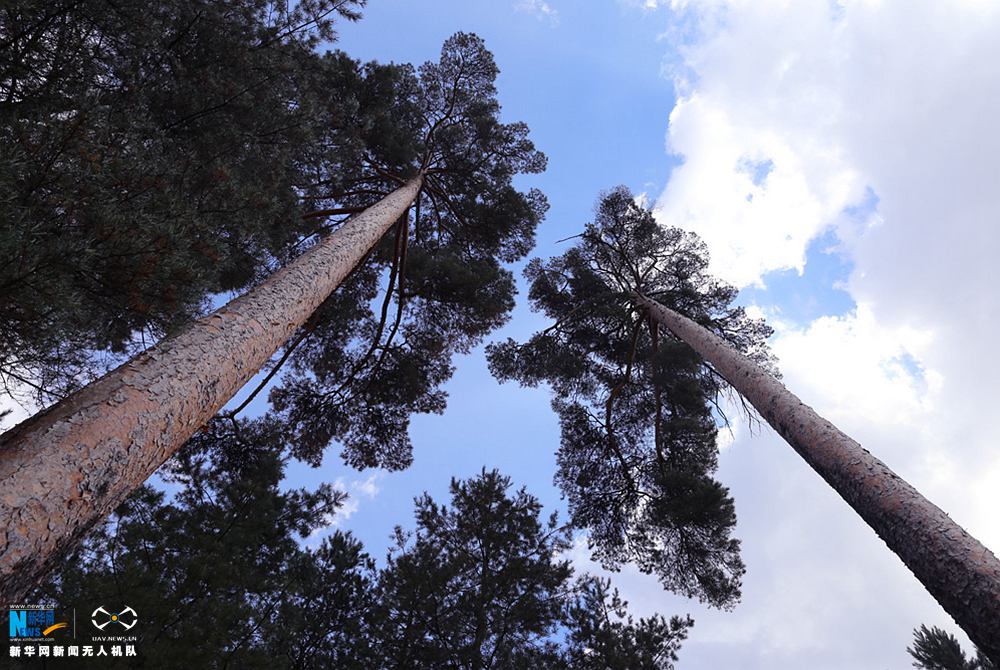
x,y
755,194
874,122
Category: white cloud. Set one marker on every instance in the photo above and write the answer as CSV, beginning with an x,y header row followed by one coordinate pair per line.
x,y
753,223
368,487
540,9
856,367
343,513
357,490
790,114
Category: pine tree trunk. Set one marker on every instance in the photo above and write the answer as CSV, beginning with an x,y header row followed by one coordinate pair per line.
x,y
65,469
962,574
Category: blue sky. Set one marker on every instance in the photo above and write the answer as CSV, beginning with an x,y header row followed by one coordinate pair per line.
x,y
842,170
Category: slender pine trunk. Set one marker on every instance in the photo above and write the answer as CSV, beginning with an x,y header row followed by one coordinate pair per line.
x,y
962,574
65,469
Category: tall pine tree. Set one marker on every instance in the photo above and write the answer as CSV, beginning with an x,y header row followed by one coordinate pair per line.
x,y
628,270
448,153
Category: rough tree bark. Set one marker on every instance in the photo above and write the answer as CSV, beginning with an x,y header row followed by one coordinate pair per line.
x,y
66,468
962,574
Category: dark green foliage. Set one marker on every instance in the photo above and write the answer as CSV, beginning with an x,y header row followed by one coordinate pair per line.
x,y
638,442
480,585
151,156
380,351
217,575
936,649
483,573
602,636
219,578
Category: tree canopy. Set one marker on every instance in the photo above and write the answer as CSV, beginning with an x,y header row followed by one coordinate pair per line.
x,y
638,446
381,348
481,583
151,157
484,584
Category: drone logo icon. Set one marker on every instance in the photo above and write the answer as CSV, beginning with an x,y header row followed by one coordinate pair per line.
x,y
126,618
